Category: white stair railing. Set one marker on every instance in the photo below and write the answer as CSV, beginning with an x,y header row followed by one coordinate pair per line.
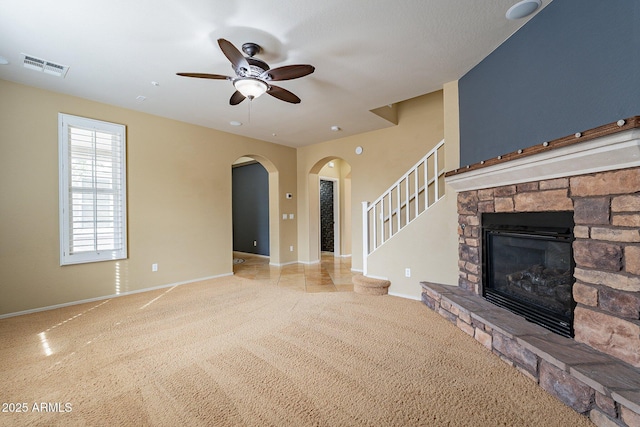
x,y
410,196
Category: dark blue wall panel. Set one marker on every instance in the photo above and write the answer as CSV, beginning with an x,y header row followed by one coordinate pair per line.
x,y
573,67
251,209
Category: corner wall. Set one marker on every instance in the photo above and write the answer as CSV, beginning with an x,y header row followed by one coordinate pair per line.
x,y
387,154
429,244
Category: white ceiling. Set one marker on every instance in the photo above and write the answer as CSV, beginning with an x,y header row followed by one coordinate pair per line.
x,y
367,54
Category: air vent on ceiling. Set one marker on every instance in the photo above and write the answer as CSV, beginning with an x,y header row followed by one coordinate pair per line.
x,y
43,65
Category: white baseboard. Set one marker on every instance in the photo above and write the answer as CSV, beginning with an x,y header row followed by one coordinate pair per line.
x,y
355,270
283,264
84,301
309,262
405,296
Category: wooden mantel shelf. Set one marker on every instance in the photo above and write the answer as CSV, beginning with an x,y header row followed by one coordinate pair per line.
x,y
604,130
609,147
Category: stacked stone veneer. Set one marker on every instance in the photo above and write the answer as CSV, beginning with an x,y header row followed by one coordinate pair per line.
x,y
606,250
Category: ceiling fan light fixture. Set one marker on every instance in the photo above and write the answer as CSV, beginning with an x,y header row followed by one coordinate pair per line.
x,y
251,74
250,87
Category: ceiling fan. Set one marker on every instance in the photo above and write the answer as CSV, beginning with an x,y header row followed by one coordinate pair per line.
x,y
253,76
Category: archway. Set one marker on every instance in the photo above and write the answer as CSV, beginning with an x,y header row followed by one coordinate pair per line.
x,y
336,171
273,224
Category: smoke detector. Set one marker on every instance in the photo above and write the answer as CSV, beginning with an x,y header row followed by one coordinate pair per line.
x,y
38,64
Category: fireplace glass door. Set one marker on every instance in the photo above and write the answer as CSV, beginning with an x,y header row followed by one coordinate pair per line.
x,y
528,269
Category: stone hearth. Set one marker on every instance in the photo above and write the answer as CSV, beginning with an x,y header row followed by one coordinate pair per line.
x,y
596,175
592,383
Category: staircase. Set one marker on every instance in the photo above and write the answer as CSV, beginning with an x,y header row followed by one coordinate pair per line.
x,y
409,197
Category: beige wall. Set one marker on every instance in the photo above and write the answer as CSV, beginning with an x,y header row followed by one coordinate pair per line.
x,y
429,245
179,201
388,153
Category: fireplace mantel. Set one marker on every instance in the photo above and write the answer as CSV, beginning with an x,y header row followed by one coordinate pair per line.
x,y
614,151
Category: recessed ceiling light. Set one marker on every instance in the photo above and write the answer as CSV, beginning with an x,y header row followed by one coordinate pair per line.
x,y
235,123
141,98
3,60
335,128
522,9
154,83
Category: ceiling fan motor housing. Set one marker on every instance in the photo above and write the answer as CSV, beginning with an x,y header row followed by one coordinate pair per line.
x,y
257,67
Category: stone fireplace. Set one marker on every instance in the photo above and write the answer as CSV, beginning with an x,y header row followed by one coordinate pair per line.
x,y
593,178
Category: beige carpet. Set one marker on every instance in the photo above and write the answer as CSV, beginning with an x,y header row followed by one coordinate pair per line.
x,y
230,352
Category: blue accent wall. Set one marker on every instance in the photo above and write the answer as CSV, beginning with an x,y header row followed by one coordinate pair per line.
x,y
250,209
572,67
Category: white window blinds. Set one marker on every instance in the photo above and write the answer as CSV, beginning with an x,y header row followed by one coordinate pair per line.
x,y
92,190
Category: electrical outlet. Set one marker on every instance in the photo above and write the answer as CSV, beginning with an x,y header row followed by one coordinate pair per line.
x,y
255,243
290,248
407,272
284,216
154,267
290,216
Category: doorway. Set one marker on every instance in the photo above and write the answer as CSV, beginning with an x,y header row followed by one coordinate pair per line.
x,y
267,243
327,215
250,208
338,174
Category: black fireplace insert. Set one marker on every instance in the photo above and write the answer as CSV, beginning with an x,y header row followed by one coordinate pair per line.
x,y
528,265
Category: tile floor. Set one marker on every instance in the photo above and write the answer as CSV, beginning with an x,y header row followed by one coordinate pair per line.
x,y
330,275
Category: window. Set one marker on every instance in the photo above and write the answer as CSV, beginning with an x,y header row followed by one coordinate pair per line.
x,y
92,190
